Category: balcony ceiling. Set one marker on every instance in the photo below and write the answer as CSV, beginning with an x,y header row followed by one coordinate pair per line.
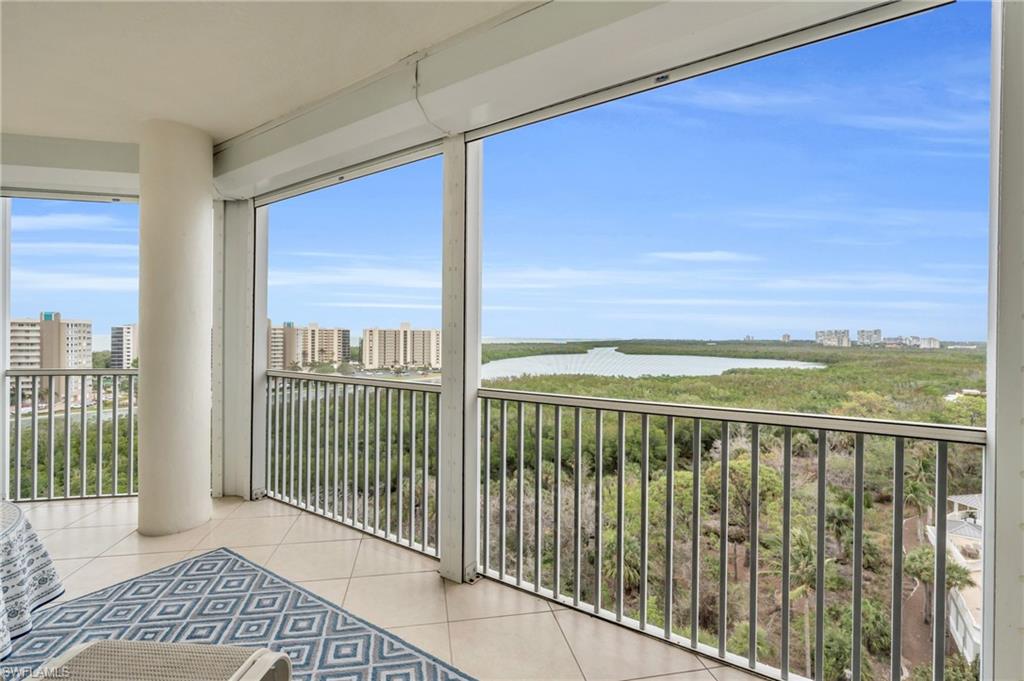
x,y
97,70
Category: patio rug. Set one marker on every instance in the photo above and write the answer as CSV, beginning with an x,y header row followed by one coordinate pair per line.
x,y
221,597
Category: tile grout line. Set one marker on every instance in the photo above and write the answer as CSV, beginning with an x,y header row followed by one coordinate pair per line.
x,y
348,584
568,645
448,621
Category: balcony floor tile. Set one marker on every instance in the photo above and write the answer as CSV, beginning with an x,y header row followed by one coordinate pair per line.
x,y
318,560
608,652
398,600
431,638
378,557
487,598
309,528
513,647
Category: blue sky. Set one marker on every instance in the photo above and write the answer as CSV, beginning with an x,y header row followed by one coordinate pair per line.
x,y
844,184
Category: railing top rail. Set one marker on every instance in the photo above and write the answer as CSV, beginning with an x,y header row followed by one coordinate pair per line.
x,y
846,424
351,380
72,372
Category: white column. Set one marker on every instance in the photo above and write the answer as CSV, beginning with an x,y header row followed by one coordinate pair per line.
x,y
175,326
1003,610
460,365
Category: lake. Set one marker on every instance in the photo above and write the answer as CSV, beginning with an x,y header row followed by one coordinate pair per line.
x,y
611,362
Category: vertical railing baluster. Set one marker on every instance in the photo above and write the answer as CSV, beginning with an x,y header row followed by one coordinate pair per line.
x,y
819,577
538,469
132,454
338,390
503,492
50,444
35,437
289,487
401,462
300,406
556,575
387,466
317,385
520,472
270,437
435,434
326,454
598,525
670,523
99,435
939,592
83,436
424,495
787,509
412,468
270,434
67,438
645,474
17,440
858,551
620,517
723,540
355,455
755,458
695,537
279,436
312,399
345,412
576,503
115,426
896,627
376,459
485,553
366,456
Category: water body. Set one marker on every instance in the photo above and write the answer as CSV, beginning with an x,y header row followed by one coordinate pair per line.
x,y
611,362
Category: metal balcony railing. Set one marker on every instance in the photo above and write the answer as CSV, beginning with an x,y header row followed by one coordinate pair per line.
x,y
73,433
745,535
360,451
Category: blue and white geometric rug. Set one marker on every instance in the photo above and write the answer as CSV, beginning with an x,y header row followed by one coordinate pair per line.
x,y
220,597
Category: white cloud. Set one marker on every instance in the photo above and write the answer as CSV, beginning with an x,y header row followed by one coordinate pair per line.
x,y
39,280
90,249
387,277
703,256
69,221
382,305
876,281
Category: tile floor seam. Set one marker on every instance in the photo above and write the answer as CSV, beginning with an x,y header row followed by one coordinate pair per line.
x,y
661,676
447,620
568,645
280,543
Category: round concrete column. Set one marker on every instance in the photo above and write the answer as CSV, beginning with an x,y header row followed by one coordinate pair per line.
x,y
175,323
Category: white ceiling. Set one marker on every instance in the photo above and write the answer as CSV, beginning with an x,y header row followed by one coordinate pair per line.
x,y
97,70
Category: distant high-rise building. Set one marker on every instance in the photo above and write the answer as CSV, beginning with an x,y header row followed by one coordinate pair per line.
x,y
869,337
291,347
401,347
786,338
51,343
64,343
930,344
124,346
25,344
748,338
834,338
328,346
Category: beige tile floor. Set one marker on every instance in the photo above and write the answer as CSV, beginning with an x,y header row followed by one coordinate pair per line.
x,y
486,629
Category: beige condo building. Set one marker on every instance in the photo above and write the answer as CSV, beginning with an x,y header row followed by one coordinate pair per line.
x,y
291,346
401,347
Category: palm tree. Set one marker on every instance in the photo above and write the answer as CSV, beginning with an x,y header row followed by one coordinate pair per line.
x,y
920,564
917,490
803,582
